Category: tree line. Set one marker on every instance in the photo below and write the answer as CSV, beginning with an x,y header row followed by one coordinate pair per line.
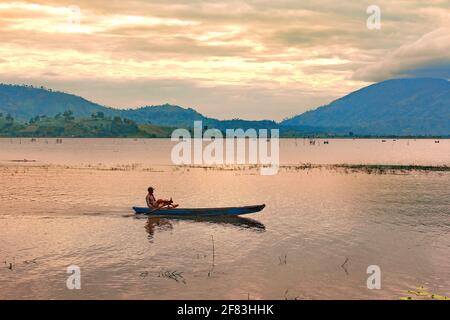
x,y
66,124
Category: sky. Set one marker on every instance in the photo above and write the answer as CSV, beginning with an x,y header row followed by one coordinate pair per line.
x,y
260,59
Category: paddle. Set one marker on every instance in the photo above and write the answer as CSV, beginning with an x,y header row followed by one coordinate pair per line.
x,y
154,210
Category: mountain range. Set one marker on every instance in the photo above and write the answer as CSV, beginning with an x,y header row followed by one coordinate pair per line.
x,y
392,107
401,107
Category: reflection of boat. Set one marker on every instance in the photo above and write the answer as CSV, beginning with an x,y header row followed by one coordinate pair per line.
x,y
153,223
164,224
203,212
227,220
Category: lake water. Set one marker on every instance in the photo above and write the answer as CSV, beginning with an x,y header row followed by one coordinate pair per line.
x,y
70,204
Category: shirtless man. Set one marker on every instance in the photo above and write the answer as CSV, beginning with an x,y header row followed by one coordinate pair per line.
x,y
152,203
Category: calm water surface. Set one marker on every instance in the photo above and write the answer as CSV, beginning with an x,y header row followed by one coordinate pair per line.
x,y
69,204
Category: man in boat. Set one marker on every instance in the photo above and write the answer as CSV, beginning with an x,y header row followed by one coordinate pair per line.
x,y
152,203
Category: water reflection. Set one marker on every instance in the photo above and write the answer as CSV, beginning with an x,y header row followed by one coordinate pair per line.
x,y
164,224
240,222
155,223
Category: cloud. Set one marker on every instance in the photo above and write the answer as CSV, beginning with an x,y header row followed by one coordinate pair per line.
x,y
427,53
229,58
435,71
259,101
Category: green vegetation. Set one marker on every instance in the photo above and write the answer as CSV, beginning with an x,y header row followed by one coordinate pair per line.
x,y
406,108
400,107
66,125
422,293
101,125
387,168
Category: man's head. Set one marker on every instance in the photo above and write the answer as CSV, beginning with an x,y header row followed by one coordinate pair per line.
x,y
150,190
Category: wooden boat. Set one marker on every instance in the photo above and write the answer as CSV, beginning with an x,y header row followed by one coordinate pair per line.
x,y
204,212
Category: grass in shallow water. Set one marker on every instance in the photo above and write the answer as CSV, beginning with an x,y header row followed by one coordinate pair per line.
x,y
421,293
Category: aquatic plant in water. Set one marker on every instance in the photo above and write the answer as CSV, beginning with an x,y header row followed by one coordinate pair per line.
x,y
422,293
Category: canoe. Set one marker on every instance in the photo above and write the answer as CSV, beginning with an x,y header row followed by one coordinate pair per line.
x,y
204,212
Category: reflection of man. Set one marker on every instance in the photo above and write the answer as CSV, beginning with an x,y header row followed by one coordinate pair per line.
x,y
152,203
152,223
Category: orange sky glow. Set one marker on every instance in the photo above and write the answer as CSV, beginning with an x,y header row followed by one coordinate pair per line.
x,y
249,59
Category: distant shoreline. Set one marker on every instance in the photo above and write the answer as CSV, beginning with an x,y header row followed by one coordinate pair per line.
x,y
281,137
369,168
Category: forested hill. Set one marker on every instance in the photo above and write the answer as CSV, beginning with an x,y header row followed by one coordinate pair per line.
x,y
398,107
26,102
393,107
